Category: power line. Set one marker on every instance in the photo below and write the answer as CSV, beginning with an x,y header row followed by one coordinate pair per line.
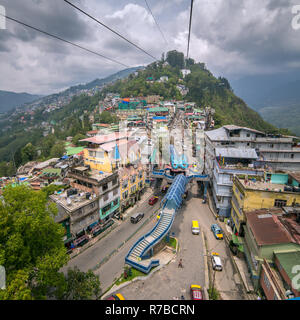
x,y
190,25
107,27
61,39
155,21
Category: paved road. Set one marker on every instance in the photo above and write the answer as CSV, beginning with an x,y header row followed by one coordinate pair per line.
x,y
89,258
227,281
171,281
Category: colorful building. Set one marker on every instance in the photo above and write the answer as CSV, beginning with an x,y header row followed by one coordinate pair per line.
x,y
132,184
268,232
255,192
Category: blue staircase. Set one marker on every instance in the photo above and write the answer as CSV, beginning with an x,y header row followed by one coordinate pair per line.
x,y
138,256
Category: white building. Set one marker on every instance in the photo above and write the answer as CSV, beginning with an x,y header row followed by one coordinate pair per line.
x,y
185,72
238,150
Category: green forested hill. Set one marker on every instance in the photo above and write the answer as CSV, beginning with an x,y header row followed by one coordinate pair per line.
x,y
204,89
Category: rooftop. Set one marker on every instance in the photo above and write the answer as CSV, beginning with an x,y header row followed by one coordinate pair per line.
x,y
236,153
73,202
255,184
93,174
288,260
267,219
100,139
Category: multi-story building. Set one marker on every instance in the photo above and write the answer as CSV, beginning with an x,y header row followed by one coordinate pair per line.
x,y
256,192
76,213
267,152
230,162
94,198
132,184
105,185
272,238
276,151
107,152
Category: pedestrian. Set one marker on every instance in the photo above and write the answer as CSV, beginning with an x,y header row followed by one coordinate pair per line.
x,y
180,264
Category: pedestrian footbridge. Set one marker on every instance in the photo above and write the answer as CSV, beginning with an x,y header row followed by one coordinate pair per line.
x,y
139,256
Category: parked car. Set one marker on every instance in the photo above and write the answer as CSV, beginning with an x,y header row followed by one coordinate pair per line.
x,y
217,231
165,188
153,200
117,296
216,262
135,218
196,292
195,227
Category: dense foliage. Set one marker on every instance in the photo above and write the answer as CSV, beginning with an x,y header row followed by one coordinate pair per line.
x,y
32,250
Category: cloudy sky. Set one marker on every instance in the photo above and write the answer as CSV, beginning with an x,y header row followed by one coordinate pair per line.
x,y
235,38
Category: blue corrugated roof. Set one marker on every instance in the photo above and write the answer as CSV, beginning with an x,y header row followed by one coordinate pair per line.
x,y
173,198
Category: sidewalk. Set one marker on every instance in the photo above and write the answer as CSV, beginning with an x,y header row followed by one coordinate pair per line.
x,y
240,264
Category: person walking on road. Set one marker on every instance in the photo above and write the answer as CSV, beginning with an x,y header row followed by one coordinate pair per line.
x,y
180,264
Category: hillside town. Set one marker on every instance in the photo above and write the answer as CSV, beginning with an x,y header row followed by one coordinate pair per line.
x,y
246,183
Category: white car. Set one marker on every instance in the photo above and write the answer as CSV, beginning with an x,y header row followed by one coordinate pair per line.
x,y
216,262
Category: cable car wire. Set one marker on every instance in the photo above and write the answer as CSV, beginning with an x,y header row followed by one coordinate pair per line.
x,y
190,25
61,39
110,29
156,22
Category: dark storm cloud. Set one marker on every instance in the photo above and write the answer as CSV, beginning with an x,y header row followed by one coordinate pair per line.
x,y
52,16
232,37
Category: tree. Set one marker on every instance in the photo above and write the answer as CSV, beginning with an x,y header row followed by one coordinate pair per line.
x,y
31,246
76,139
175,59
81,285
28,153
57,150
107,117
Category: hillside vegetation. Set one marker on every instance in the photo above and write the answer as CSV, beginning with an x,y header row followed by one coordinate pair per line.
x,y
204,89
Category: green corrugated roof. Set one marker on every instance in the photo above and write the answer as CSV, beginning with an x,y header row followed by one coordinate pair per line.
x,y
52,170
73,150
158,109
288,260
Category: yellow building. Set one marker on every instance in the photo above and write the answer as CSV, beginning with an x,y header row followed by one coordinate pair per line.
x,y
271,191
132,184
107,152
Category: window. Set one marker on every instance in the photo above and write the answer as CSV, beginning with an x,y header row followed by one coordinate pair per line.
x,y
279,203
115,192
267,282
248,134
115,180
292,156
271,145
105,198
106,208
133,189
115,202
92,153
104,187
125,194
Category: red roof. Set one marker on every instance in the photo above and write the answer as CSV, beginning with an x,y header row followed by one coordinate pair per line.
x,y
261,220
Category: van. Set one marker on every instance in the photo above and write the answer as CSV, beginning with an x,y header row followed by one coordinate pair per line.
x,y
136,217
195,227
216,262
